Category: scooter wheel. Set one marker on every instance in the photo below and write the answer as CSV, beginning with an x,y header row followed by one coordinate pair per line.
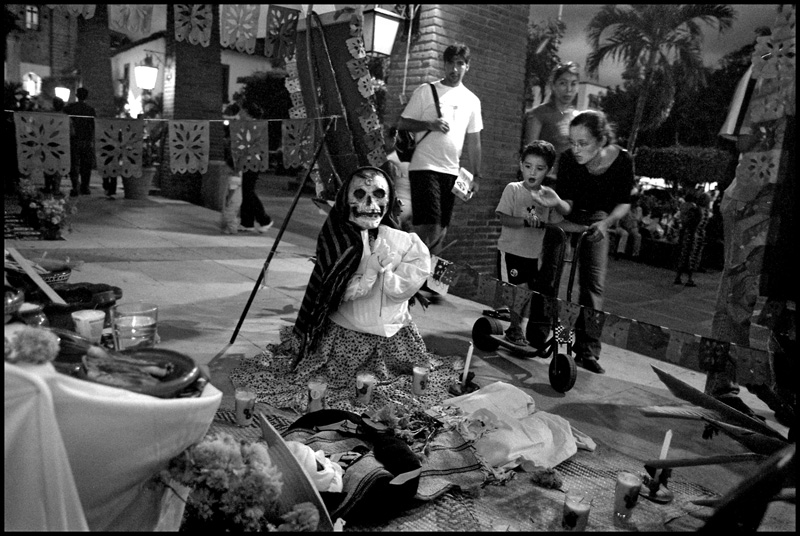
x,y
482,330
563,372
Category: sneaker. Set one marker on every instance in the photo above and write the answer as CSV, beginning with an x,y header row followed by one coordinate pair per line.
x,y
111,197
264,228
591,364
244,229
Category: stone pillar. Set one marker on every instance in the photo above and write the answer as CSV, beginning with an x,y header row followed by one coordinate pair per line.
x,y
192,90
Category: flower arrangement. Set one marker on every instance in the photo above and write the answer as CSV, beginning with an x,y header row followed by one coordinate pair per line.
x,y
235,487
46,212
30,345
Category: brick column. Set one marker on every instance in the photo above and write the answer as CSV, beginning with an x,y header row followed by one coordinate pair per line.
x,y
192,91
92,58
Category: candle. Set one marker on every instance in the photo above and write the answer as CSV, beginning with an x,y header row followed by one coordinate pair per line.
x,y
664,450
466,365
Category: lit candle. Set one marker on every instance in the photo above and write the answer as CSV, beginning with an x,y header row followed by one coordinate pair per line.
x,y
466,365
664,450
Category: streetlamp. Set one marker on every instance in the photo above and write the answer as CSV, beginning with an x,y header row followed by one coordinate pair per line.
x,y
380,30
146,74
62,93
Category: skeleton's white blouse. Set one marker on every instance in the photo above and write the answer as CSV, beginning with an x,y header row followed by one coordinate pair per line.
x,y
379,304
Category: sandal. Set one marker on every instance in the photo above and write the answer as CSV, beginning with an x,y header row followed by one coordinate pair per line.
x,y
517,339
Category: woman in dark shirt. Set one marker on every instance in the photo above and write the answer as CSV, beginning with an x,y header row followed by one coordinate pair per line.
x,y
595,180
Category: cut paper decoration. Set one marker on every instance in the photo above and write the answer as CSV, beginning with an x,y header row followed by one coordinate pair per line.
x,y
365,86
522,300
439,281
291,68
281,33
250,145
297,98
292,85
682,348
356,27
370,122
767,107
355,45
130,17
87,10
188,146
298,112
504,295
374,139
358,68
615,331
238,26
568,312
593,321
648,339
751,368
487,289
763,167
298,142
193,23
713,354
376,157
42,142
118,147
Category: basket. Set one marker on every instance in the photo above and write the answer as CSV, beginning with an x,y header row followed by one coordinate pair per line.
x,y
57,276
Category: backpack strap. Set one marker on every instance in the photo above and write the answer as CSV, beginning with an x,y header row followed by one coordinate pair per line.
x,y
438,109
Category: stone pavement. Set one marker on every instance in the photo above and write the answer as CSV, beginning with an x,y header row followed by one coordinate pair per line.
x,y
172,253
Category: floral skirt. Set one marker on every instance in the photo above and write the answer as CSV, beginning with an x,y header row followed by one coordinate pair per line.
x,y
340,356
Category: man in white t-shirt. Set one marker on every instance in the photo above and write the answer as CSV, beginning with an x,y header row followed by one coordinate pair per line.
x,y
435,164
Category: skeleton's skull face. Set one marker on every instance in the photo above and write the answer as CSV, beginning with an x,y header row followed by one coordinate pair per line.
x,y
368,197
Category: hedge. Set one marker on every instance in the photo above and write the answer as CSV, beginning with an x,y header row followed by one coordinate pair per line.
x,y
686,165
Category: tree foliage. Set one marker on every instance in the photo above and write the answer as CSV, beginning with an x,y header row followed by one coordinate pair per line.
x,y
544,38
654,39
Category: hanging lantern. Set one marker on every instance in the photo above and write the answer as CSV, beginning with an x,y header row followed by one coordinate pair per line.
x,y
146,74
62,93
380,30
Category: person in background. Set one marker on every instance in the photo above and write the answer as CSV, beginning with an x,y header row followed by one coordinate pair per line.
x,y
628,228
82,144
522,232
436,162
253,216
694,215
550,121
52,181
593,188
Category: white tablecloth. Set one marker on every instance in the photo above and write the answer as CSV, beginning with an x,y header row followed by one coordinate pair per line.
x,y
114,440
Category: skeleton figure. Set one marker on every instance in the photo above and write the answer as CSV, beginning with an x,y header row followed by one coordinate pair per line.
x,y
368,197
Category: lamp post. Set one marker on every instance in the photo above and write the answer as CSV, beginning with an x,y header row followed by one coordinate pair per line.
x,y
146,74
380,30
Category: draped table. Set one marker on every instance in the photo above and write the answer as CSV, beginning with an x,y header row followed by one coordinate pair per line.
x,y
81,456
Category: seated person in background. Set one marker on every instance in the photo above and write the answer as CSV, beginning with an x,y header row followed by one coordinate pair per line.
x,y
651,225
355,313
628,227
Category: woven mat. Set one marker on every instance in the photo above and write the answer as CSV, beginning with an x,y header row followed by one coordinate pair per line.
x,y
521,505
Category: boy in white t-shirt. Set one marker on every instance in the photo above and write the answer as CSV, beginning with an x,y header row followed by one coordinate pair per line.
x,y
522,234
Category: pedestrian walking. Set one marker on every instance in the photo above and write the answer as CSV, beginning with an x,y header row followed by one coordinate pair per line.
x,y
82,146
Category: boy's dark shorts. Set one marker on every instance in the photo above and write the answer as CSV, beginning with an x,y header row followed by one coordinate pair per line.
x,y
517,270
432,197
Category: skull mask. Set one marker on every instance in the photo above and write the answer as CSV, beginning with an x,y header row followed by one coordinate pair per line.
x,y
368,197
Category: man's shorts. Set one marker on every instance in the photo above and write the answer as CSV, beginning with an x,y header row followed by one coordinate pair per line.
x,y
517,270
432,197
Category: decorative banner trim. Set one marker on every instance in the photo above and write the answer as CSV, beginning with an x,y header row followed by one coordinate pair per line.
x,y
193,23
298,142
87,10
238,26
42,142
130,17
118,147
250,145
188,146
281,33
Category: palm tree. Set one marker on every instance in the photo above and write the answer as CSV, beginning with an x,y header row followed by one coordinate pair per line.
x,y
653,38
